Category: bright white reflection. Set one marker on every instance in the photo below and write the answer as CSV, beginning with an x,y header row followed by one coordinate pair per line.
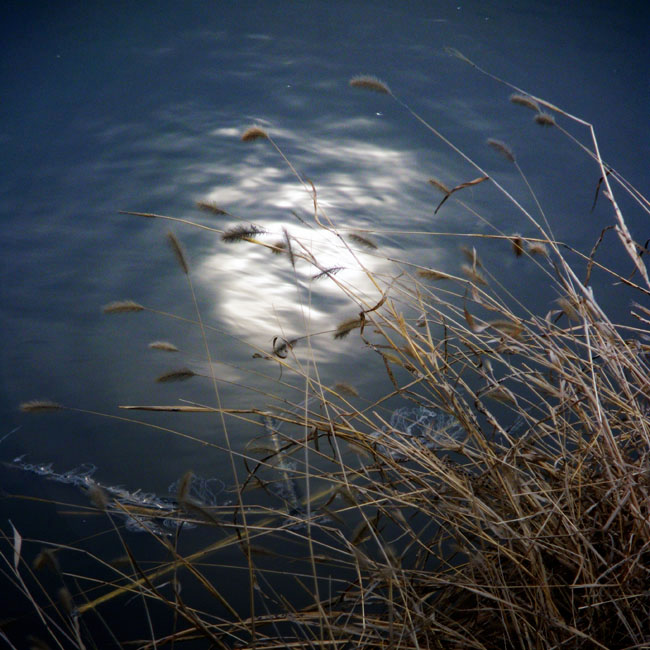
x,y
361,186
259,296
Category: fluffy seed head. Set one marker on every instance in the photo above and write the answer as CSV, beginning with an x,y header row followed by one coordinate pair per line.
x,y
362,240
344,328
208,206
522,100
537,248
65,599
502,148
239,233
369,83
122,307
346,389
97,496
184,486
176,375
544,119
46,558
517,245
163,345
430,274
254,133
39,406
473,274
177,249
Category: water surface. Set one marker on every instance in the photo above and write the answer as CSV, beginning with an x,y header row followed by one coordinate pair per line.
x,y
140,107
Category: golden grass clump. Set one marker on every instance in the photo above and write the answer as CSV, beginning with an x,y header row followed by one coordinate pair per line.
x,y
490,491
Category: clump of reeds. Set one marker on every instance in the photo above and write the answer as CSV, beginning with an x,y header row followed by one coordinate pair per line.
x,y
507,509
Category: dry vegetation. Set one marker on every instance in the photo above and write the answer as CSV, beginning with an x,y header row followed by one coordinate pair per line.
x,y
517,518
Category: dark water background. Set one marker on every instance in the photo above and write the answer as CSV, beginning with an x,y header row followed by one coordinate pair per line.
x,y
139,106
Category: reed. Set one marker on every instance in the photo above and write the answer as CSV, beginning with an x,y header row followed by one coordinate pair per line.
x,y
506,507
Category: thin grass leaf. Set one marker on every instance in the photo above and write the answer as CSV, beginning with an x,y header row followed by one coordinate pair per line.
x,y
462,186
289,247
18,545
439,185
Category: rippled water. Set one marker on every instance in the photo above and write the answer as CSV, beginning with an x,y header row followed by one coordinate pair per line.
x,y
140,107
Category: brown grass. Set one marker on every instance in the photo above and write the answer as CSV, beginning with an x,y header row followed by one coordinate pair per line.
x,y
515,516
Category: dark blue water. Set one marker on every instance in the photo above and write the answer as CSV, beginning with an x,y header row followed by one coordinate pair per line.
x,y
124,106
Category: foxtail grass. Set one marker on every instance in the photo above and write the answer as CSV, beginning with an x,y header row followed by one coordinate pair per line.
x,y
506,507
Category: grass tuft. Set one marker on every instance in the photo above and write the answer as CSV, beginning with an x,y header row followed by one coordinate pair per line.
x,y
489,490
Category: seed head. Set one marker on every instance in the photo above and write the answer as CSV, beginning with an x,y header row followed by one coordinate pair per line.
x,y
368,82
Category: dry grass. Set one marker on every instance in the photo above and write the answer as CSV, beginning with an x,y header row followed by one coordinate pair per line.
x,y
517,518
